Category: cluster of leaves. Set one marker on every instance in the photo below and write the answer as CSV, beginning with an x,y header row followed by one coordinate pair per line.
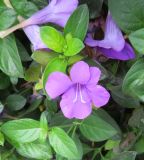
x,y
115,133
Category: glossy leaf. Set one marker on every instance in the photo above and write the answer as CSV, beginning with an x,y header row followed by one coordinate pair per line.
x,y
77,24
133,83
24,7
62,143
1,139
22,131
15,102
10,62
96,129
4,81
137,40
35,150
7,16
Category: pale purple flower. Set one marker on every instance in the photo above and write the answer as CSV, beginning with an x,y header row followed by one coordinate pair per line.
x,y
79,91
57,12
33,33
113,45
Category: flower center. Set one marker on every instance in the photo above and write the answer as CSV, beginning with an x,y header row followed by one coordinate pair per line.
x,y
79,94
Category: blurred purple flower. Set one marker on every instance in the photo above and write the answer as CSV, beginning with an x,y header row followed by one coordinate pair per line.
x,y
113,45
57,12
33,33
79,91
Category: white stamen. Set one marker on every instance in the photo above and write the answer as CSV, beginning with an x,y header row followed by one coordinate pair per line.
x,y
76,96
82,100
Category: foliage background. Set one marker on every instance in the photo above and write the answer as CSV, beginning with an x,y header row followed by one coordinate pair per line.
x,y
36,129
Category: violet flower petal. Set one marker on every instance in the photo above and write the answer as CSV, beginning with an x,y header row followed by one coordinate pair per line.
x,y
57,12
125,54
99,95
94,76
57,84
75,109
80,73
33,33
113,37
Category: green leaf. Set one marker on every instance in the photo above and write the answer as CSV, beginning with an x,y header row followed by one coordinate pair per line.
x,y
4,81
1,139
32,74
15,102
22,131
1,107
23,52
62,143
44,127
35,150
74,46
110,144
128,14
43,57
56,64
136,120
7,16
78,22
133,84
137,40
94,6
74,59
52,38
96,129
138,147
123,100
24,7
128,155
10,62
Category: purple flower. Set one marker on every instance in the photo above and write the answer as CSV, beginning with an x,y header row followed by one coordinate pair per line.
x,y
113,45
79,91
57,12
33,33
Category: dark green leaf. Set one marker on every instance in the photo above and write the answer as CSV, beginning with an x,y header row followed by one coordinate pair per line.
x,y
4,81
137,40
1,139
24,7
32,74
35,151
123,100
128,14
129,155
7,17
62,143
15,102
96,129
43,57
22,131
77,24
23,52
133,83
52,38
10,62
95,7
